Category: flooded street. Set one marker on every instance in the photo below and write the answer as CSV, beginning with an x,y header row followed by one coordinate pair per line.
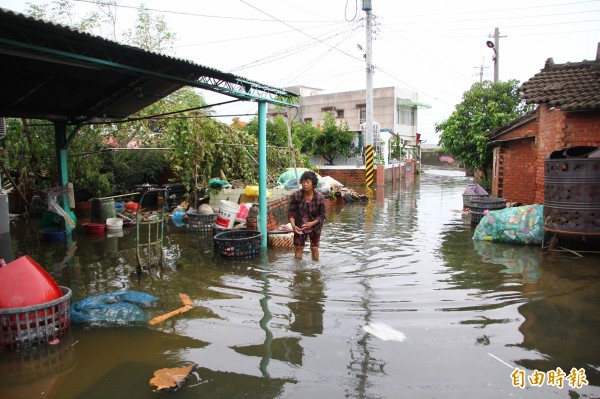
x,y
275,327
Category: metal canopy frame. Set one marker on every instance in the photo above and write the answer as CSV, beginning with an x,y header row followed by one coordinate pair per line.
x,y
52,72
78,76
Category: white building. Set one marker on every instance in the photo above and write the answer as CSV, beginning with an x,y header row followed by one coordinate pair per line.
x,y
395,111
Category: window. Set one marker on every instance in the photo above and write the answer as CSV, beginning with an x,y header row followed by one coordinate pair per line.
x,y
307,120
340,113
406,116
362,114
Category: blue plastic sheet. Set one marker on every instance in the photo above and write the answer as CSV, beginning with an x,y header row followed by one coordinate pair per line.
x,y
113,308
520,225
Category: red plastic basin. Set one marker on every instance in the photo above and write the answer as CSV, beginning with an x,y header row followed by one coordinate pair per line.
x,y
94,228
25,283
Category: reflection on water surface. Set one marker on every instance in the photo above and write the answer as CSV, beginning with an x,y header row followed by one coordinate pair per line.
x,y
275,327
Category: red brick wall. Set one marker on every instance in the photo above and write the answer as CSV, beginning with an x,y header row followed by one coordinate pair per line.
x,y
582,128
516,165
356,176
520,164
348,177
558,130
277,211
549,139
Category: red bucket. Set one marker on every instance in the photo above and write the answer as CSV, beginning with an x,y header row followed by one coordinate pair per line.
x,y
94,228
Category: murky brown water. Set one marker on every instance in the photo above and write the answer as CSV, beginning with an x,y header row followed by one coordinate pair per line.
x,y
274,327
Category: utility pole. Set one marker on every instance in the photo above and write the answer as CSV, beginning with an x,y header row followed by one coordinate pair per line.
x,y
481,68
497,57
369,169
495,45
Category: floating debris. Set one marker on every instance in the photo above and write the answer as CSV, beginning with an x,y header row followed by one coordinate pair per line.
x,y
350,195
384,332
187,305
171,379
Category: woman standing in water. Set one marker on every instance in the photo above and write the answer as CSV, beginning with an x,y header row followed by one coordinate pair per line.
x,y
307,214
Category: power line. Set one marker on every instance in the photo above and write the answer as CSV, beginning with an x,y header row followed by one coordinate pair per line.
x,y
319,58
247,37
495,11
196,14
529,25
288,52
298,30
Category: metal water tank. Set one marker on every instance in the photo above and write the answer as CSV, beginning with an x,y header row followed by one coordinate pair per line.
x,y
151,198
572,191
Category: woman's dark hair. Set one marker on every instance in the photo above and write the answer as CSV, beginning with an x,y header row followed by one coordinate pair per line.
x,y
310,175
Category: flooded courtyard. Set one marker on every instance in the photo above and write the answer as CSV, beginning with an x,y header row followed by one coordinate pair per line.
x,y
476,316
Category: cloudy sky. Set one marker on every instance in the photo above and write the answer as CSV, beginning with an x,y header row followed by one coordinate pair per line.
x,y
434,47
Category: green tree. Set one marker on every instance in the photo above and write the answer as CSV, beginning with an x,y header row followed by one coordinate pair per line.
x,y
333,140
150,33
485,107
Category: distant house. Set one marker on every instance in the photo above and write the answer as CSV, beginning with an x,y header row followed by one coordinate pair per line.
x,y
567,115
395,112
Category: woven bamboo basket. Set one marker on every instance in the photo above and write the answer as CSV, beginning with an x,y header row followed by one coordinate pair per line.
x,y
280,240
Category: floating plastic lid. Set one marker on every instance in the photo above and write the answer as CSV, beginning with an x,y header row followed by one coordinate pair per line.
x,y
25,283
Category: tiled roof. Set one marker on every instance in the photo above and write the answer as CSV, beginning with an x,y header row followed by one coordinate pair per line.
x,y
570,87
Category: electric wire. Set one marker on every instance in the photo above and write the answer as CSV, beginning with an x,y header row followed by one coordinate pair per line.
x,y
290,51
193,14
298,30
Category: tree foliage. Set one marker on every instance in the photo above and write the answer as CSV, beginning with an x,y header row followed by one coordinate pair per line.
x,y
333,140
198,147
485,107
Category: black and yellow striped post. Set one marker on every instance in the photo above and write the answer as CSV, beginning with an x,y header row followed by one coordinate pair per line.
x,y
369,170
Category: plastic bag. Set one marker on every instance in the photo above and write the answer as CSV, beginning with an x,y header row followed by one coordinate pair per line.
x,y
177,216
290,182
218,183
521,225
113,308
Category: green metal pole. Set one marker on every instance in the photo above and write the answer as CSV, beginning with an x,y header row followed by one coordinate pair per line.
x,y
60,134
262,171
60,141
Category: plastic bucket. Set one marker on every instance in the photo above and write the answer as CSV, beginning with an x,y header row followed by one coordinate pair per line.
x,y
114,224
243,212
54,234
227,212
102,209
94,228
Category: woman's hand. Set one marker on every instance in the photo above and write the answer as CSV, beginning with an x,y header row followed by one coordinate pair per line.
x,y
307,226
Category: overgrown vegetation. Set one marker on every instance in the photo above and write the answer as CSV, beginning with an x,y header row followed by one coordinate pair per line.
x,y
485,107
104,159
190,147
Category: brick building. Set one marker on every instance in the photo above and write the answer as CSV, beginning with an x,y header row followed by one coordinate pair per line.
x,y
567,115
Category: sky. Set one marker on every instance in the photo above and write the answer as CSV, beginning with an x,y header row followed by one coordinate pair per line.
x,y
436,48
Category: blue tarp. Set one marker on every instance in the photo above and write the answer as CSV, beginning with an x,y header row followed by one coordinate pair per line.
x,y
113,308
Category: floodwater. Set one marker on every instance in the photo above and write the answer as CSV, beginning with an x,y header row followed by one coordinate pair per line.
x,y
472,313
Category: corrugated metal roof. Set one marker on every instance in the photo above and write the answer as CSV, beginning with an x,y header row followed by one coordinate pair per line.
x,y
50,71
